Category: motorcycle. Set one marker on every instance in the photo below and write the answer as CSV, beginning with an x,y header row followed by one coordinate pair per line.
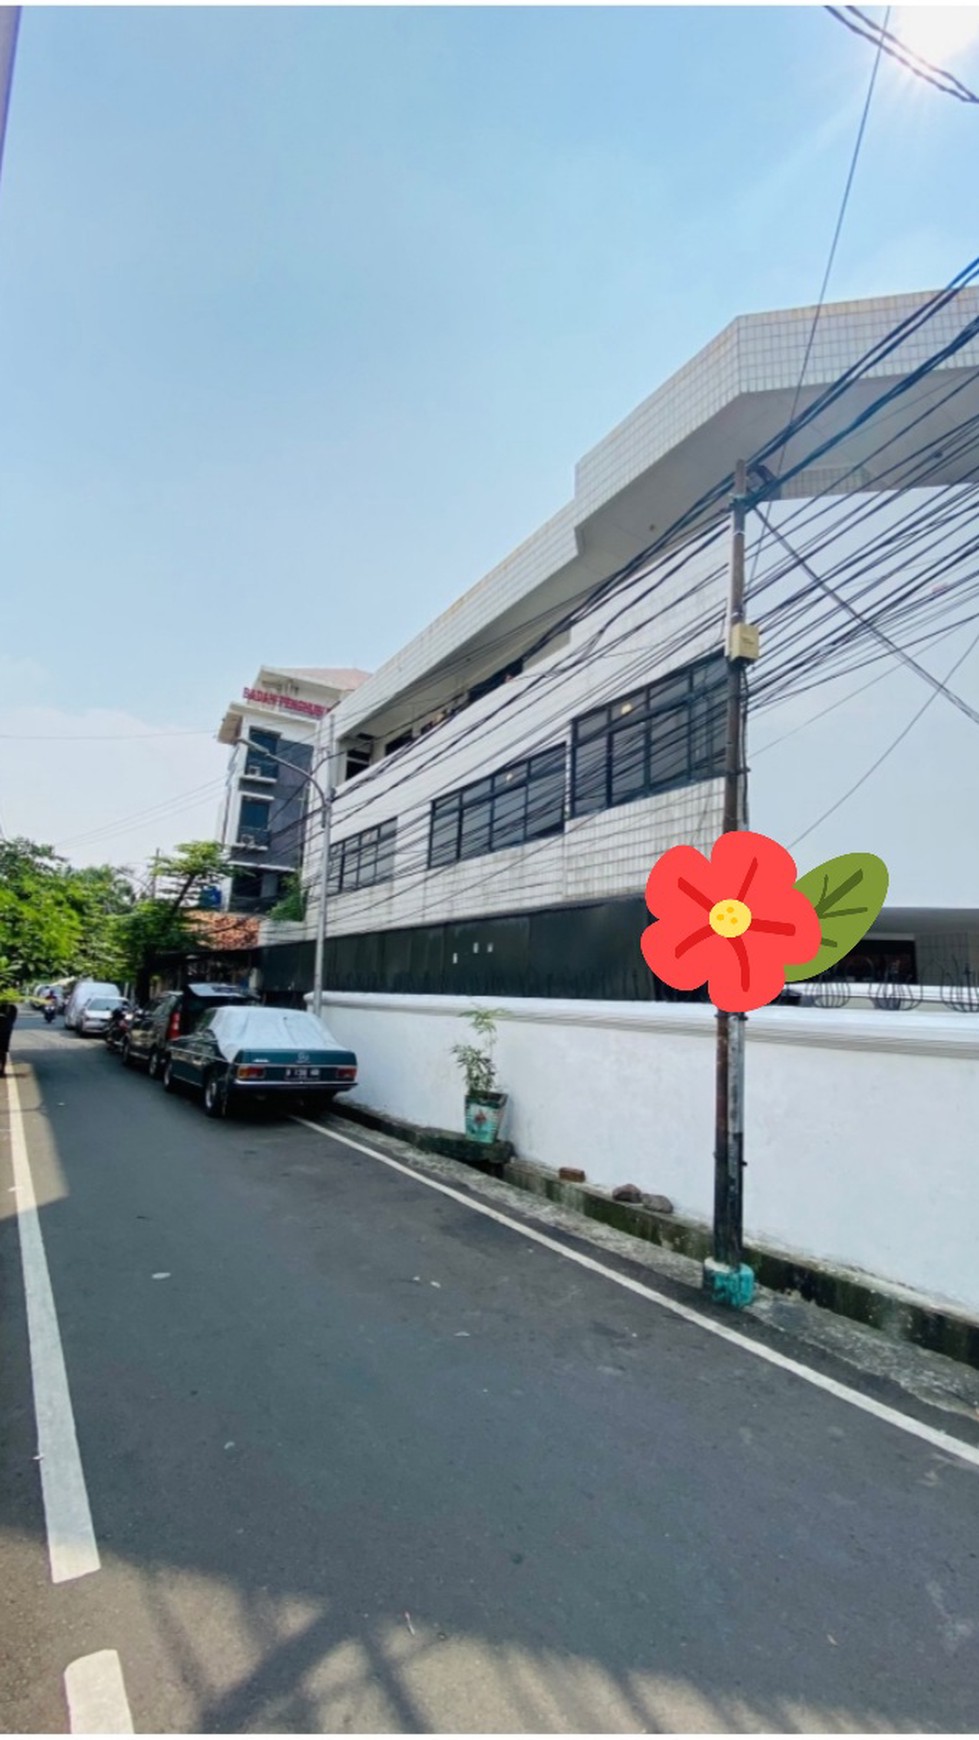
x,y
50,1011
120,1021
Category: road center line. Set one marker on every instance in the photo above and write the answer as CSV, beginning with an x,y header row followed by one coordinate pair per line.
x,y
96,1694
71,1538
943,1441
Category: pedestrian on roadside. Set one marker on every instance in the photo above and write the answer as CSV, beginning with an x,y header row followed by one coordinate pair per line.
x,y
8,1015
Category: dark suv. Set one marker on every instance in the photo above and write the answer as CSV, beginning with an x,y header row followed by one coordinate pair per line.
x,y
177,1012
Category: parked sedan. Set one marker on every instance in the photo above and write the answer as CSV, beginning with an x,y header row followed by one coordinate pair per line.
x,y
95,1015
237,1055
174,1016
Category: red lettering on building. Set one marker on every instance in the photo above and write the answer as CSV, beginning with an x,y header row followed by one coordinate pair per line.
x,y
267,698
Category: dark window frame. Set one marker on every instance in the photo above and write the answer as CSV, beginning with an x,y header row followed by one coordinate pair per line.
x,y
260,762
492,825
371,851
257,830
682,694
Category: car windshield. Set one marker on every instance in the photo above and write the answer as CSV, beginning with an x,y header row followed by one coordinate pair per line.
x,y
102,1003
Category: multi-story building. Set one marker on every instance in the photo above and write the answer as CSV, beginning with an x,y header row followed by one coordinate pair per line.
x,y
529,754
271,732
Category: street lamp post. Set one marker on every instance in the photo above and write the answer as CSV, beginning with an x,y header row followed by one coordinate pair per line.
x,y
325,796
327,809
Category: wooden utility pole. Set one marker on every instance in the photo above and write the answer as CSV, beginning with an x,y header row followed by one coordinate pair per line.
x,y
725,1277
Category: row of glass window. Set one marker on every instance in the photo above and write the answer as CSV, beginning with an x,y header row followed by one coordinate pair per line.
x,y
666,735
522,802
363,859
663,736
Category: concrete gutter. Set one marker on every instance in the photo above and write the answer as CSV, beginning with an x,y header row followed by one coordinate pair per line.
x,y
862,1299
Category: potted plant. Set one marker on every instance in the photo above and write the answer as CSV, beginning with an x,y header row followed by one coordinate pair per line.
x,y
484,1102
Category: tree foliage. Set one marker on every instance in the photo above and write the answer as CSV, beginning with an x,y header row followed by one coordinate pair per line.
x,y
57,921
292,904
101,896
158,926
189,869
40,928
151,928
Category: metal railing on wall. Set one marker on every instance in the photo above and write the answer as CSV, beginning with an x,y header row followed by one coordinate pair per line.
x,y
894,994
831,993
960,991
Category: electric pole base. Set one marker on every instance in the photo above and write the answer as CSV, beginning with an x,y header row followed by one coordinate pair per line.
x,y
726,1286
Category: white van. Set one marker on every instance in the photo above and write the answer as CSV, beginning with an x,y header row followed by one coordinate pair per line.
x,y
85,989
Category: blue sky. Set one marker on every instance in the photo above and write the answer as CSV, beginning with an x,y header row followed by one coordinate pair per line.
x,y
306,315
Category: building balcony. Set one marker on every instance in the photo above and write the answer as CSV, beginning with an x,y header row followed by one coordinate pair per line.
x,y
253,840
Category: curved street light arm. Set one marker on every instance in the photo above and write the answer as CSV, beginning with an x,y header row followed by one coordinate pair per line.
x,y
326,804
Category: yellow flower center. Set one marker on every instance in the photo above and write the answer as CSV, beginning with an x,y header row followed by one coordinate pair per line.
x,y
730,918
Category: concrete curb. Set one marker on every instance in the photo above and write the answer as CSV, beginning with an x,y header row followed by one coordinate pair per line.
x,y
862,1299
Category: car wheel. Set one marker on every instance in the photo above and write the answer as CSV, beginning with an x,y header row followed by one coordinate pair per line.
x,y
168,1078
154,1065
215,1096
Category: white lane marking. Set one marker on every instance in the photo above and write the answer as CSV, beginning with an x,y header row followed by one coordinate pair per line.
x,y
71,1538
96,1693
880,1410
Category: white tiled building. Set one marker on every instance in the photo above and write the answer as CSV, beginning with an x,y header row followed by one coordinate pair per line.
x,y
502,676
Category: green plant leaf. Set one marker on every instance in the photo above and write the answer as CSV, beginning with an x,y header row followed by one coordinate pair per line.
x,y
848,893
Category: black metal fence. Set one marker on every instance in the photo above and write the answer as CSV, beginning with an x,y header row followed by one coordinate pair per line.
x,y
588,951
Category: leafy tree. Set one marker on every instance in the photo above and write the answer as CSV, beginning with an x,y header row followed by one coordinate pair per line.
x,y
159,926
56,920
40,928
149,929
190,869
101,895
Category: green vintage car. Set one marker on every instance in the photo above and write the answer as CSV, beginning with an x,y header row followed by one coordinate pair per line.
x,y
238,1054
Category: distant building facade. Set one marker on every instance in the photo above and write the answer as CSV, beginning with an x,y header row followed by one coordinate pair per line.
x,y
271,732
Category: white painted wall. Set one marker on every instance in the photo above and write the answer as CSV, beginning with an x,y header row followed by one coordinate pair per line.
x,y
861,1126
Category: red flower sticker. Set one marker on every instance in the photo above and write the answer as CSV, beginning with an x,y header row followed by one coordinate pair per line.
x,y
734,921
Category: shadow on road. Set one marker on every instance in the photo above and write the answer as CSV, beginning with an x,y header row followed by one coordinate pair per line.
x,y
343,1496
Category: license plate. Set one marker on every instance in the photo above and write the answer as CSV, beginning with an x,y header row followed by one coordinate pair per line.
x,y
302,1075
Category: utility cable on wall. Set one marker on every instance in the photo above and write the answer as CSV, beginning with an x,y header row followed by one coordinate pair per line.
x,y
912,722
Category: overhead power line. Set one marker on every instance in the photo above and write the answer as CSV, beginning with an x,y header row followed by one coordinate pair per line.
x,y
160,811
911,601
653,568
108,737
884,39
912,722
838,229
919,670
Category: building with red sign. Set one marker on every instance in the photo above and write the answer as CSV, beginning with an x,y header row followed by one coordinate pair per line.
x,y
271,733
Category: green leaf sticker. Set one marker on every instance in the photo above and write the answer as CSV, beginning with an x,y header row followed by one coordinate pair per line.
x,y
848,893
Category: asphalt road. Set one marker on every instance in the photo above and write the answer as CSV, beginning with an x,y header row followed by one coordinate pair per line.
x,y
360,1459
